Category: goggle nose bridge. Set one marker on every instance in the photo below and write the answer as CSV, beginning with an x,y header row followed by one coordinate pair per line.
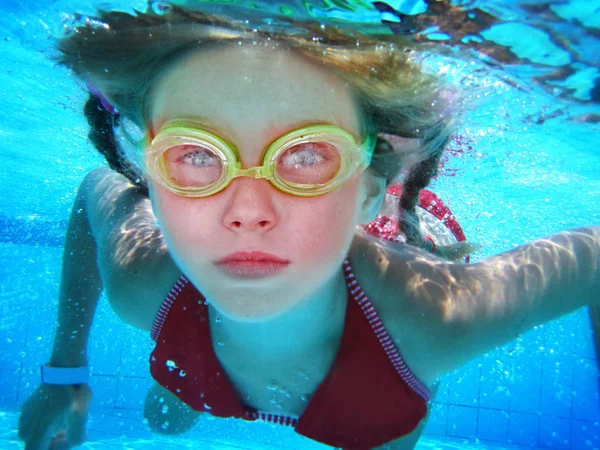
x,y
251,172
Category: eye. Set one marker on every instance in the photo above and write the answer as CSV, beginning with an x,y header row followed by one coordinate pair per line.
x,y
192,165
195,156
305,155
309,163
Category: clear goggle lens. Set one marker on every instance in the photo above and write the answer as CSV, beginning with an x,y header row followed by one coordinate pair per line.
x,y
310,161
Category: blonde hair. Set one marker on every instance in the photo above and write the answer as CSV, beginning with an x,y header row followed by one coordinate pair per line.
x,y
121,55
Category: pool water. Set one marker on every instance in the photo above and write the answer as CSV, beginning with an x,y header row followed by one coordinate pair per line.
x,y
525,163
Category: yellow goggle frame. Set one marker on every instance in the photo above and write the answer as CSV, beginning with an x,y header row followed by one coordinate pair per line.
x,y
353,157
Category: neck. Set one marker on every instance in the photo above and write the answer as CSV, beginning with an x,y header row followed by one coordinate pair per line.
x,y
315,320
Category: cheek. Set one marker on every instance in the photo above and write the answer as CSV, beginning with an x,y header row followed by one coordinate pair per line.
x,y
183,224
328,222
310,229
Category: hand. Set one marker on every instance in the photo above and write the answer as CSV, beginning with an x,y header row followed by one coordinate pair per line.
x,y
55,417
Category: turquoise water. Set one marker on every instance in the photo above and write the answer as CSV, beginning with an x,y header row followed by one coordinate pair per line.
x,y
525,164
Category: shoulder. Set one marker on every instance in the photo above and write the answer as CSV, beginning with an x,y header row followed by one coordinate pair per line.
x,y
135,265
408,288
403,279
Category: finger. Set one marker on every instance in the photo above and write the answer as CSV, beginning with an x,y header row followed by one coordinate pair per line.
x,y
78,416
60,442
76,427
38,413
41,433
60,445
27,419
39,443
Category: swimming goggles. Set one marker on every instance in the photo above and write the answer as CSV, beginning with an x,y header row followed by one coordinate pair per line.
x,y
309,161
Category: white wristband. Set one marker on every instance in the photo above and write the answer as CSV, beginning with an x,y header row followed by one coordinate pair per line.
x,y
65,375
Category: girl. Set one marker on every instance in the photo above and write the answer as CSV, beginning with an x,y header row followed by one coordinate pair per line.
x,y
234,242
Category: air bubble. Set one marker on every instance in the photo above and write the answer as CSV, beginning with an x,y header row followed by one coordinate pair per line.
x,y
172,365
285,393
161,8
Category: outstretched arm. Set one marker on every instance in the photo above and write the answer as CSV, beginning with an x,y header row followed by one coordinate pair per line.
x,y
112,243
80,288
475,308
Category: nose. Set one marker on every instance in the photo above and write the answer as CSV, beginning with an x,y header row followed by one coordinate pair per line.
x,y
251,206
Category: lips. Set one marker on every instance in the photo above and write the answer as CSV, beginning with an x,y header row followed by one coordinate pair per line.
x,y
251,265
251,256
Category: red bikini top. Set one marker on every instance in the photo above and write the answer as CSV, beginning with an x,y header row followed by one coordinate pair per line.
x,y
369,397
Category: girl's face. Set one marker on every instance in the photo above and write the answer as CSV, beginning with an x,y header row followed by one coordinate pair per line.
x,y
250,95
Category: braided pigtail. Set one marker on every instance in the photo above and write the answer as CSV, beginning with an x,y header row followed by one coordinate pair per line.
x,y
418,178
102,134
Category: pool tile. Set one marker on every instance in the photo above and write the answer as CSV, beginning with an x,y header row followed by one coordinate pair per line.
x,y
40,337
585,435
492,425
12,338
464,385
104,351
438,419
131,392
493,392
9,386
104,426
585,390
105,391
28,382
561,335
555,432
135,355
443,392
524,384
523,428
13,342
462,421
557,387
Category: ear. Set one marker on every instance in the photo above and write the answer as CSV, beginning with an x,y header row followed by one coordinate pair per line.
x,y
375,188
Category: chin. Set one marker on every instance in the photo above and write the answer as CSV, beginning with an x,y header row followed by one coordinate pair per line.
x,y
252,312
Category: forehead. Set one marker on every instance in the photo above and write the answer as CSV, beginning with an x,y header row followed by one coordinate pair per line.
x,y
249,89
